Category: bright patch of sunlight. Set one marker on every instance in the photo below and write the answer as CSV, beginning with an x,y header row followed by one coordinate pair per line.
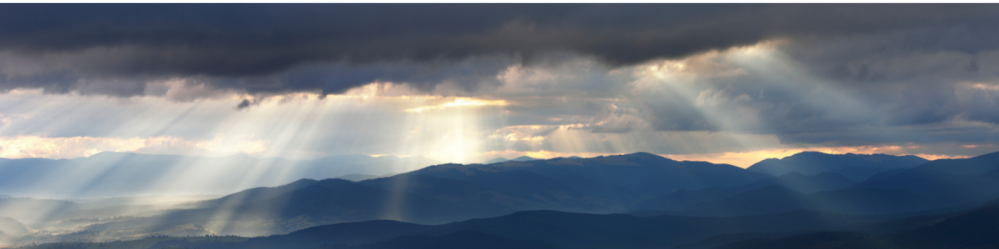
x,y
459,102
73,147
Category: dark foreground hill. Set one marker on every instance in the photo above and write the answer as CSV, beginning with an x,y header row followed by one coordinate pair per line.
x,y
458,240
572,230
977,228
776,199
681,199
537,229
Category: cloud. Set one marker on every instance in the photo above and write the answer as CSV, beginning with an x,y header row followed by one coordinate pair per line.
x,y
668,79
246,103
330,48
613,119
74,147
715,97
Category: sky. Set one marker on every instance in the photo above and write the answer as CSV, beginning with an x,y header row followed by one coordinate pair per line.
x,y
723,83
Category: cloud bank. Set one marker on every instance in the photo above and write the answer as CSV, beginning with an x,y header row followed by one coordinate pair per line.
x,y
462,82
329,48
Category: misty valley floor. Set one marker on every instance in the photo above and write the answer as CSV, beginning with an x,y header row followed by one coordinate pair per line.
x,y
808,200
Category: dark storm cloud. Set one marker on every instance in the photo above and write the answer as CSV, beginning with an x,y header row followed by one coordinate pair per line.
x,y
245,47
49,82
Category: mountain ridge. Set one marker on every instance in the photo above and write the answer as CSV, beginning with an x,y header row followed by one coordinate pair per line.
x,y
855,166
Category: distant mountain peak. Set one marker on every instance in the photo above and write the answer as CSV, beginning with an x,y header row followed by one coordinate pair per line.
x,y
334,180
989,155
303,181
642,154
854,166
356,177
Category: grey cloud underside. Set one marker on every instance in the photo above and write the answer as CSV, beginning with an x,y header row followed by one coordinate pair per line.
x,y
265,48
863,74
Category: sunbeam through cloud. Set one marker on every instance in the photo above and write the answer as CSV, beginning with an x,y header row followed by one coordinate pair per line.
x,y
457,125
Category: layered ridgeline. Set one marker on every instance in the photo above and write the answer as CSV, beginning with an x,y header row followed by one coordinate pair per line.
x,y
122,174
973,228
436,195
655,185
942,184
518,159
854,166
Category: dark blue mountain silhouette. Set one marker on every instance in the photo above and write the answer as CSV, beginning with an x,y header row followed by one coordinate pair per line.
x,y
457,240
601,184
568,230
712,204
257,194
678,200
357,177
452,192
952,180
776,199
806,184
446,193
976,228
517,189
518,159
643,173
524,159
854,166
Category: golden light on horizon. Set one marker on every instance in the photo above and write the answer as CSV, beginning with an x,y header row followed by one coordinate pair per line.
x,y
459,102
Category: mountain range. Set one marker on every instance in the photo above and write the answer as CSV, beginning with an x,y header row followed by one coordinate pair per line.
x,y
972,228
975,228
576,203
518,159
854,166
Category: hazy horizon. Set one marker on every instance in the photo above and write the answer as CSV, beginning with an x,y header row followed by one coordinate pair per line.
x,y
715,160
